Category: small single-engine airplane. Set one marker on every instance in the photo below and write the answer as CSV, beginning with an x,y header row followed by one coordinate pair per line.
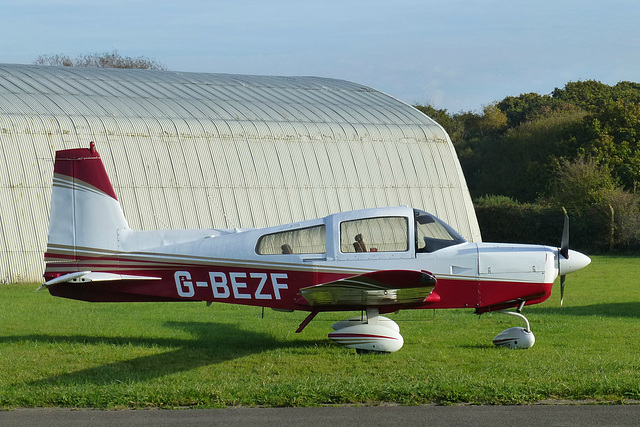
x,y
378,260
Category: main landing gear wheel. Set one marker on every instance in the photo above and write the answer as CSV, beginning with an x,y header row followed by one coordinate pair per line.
x,y
370,334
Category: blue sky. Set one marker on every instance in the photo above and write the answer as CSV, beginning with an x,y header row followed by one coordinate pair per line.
x,y
458,55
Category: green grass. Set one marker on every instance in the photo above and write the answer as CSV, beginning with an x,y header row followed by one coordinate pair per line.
x,y
62,353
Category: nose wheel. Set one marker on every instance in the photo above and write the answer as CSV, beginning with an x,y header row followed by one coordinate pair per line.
x,y
515,337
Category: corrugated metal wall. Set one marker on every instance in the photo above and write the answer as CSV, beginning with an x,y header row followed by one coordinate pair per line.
x,y
187,150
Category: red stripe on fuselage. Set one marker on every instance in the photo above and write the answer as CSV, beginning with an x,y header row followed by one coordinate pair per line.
x,y
277,288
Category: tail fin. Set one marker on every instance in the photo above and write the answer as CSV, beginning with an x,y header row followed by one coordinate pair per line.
x,y
85,212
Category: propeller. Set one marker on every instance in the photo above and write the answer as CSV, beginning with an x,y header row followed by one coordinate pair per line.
x,y
564,251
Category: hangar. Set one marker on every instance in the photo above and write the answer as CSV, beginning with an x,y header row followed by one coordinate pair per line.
x,y
194,150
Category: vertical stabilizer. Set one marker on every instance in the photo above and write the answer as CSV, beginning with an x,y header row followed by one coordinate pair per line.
x,y
85,212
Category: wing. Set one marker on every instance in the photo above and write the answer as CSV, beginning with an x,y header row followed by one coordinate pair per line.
x,y
388,287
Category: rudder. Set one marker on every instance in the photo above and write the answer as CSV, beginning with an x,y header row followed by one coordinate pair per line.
x,y
85,212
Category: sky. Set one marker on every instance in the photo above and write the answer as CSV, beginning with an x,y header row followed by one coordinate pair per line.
x,y
455,55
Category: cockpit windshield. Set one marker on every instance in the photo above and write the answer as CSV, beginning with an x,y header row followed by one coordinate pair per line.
x,y
433,234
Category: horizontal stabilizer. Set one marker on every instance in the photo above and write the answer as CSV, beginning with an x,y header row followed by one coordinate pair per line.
x,y
63,279
90,276
389,287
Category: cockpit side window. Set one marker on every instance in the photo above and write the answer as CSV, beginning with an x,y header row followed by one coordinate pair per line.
x,y
310,240
433,234
384,234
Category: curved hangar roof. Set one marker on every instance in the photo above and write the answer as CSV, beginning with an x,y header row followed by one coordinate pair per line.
x,y
192,150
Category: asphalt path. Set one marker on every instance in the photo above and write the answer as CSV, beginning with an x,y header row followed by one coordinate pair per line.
x,y
431,415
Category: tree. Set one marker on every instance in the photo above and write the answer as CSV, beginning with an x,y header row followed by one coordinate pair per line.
x,y
526,107
518,162
578,147
104,60
579,183
584,94
613,131
492,121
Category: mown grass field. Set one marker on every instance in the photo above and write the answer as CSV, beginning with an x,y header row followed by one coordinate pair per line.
x,y
62,353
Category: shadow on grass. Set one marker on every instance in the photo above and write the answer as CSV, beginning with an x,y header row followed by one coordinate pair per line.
x,y
212,343
479,346
621,309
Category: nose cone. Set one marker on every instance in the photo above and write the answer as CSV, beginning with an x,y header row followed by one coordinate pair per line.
x,y
575,262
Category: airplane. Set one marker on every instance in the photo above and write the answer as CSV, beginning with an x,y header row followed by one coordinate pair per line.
x,y
376,261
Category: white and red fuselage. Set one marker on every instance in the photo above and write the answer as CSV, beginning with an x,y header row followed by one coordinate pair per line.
x,y
93,255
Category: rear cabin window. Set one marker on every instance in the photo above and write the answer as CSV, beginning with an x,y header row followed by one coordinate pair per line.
x,y
311,240
385,234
